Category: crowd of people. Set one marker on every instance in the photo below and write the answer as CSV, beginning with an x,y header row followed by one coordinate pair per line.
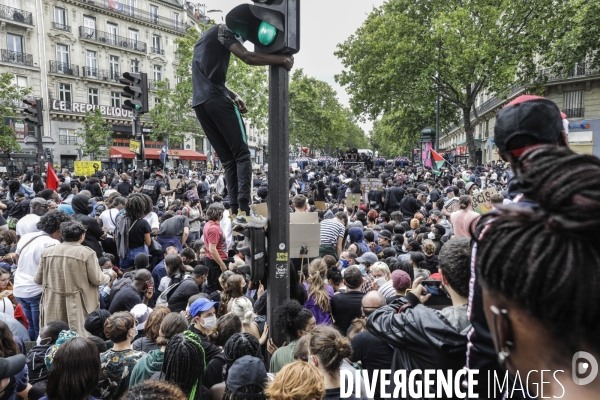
x,y
112,290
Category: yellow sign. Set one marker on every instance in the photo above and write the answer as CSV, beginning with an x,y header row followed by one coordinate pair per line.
x,y
87,168
134,146
282,256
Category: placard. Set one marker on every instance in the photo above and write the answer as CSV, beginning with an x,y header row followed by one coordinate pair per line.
x,y
2,169
321,205
353,200
86,168
135,146
368,184
482,201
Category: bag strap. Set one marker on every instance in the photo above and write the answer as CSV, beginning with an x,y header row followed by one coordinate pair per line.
x,y
27,244
131,227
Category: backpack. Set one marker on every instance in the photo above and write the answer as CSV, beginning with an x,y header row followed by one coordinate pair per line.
x,y
150,188
163,298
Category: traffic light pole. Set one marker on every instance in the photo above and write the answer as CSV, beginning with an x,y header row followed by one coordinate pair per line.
x,y
278,280
41,160
141,157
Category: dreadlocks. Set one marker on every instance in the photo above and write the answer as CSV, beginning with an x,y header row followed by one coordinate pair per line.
x,y
539,256
184,364
137,206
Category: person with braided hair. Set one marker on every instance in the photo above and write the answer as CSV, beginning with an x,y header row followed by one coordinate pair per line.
x,y
227,326
184,364
132,230
531,260
238,346
154,390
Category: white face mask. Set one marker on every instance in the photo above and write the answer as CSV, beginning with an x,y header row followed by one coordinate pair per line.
x,y
404,248
431,235
381,281
209,322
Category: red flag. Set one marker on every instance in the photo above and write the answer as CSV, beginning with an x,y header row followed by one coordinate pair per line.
x,y
52,181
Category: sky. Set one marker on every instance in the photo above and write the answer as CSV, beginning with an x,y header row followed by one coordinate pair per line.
x,y
323,25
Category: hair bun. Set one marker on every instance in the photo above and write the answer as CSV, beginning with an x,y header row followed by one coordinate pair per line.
x,y
343,347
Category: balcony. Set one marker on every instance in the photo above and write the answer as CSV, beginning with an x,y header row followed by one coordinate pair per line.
x,y
67,139
153,86
16,58
111,40
575,112
61,27
14,14
101,74
157,50
57,67
138,14
580,70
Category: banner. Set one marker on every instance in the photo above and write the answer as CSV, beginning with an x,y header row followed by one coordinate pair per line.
x,y
87,168
482,200
135,146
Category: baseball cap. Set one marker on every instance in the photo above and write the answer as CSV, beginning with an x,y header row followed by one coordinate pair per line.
x,y
401,280
191,195
159,173
528,115
202,305
368,257
449,190
386,234
94,323
141,312
11,366
246,371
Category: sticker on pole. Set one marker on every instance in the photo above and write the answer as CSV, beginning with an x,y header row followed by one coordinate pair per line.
x,y
282,256
281,246
281,271
135,146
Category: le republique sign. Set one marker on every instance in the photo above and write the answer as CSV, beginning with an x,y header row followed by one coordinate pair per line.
x,y
82,108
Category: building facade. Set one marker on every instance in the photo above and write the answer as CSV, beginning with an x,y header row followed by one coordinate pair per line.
x,y
72,54
577,94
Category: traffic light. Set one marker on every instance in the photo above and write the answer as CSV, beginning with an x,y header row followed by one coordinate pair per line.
x,y
273,26
254,250
136,90
35,109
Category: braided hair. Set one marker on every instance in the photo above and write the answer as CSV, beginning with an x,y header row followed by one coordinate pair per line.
x,y
238,346
539,256
137,206
184,364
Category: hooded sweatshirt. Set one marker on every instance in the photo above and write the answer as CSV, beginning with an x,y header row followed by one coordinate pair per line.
x,y
147,366
82,208
357,236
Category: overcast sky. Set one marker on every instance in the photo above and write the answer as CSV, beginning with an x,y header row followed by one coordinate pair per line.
x,y
324,24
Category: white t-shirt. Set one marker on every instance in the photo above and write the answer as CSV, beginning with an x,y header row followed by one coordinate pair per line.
x,y
27,224
152,219
227,230
108,218
29,260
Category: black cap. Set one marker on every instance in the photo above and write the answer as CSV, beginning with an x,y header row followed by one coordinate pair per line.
x,y
11,366
386,234
94,323
528,115
246,371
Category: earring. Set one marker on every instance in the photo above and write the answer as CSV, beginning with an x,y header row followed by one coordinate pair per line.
x,y
504,352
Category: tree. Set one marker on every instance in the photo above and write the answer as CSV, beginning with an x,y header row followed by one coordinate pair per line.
x,y
405,50
11,97
95,135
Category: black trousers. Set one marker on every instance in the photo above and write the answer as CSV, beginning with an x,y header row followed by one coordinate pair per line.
x,y
214,272
225,129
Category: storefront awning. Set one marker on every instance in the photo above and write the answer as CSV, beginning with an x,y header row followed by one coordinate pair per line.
x,y
154,154
120,152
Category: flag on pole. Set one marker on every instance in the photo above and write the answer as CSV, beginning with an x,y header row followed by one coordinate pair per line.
x,y
164,152
52,181
438,161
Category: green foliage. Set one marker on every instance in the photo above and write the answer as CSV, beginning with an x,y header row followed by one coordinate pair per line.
x,y
317,118
406,49
95,135
11,97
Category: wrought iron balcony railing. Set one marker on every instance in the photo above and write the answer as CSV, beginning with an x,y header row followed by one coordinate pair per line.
x,y
16,57
101,74
61,27
16,15
58,67
110,39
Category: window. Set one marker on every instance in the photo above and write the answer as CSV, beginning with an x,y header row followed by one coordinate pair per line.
x,y
157,73
130,9
91,64
153,14
114,67
135,66
93,97
89,27
60,19
20,81
573,106
113,31
15,43
68,162
178,79
67,136
62,56
64,92
176,20
156,101
115,99
156,44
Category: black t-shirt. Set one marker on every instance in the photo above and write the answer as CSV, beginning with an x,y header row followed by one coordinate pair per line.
x,y
124,188
372,352
136,233
210,64
210,350
125,300
345,307
214,371
173,226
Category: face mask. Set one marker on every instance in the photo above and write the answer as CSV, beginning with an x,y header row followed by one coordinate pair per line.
x,y
209,322
431,235
363,270
381,281
344,263
404,248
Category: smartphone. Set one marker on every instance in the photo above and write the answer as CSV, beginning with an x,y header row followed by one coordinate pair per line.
x,y
433,287
149,285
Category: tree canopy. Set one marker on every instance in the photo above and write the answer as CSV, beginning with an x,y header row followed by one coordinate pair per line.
x,y
11,96
406,50
95,135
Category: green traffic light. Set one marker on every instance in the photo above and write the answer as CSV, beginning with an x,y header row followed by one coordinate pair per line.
x,y
266,33
138,107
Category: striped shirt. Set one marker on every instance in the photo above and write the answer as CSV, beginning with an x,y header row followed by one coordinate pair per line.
x,y
387,290
331,230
